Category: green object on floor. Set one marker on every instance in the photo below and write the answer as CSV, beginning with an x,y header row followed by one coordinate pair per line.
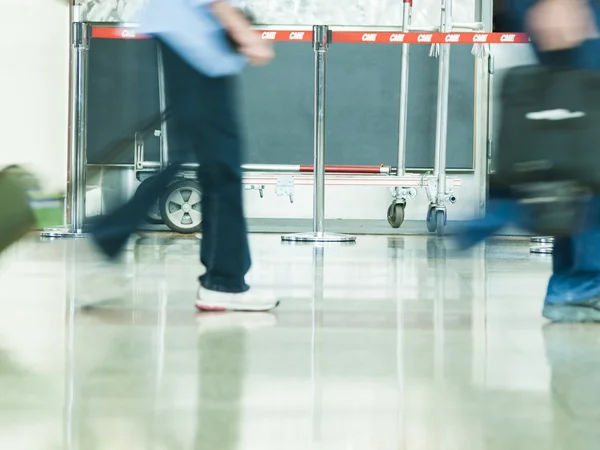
x,y
17,215
24,206
48,210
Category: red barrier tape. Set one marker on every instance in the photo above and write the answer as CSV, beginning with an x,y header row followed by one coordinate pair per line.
x,y
371,37
430,38
346,169
116,33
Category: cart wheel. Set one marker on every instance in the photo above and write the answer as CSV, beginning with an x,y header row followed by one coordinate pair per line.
x,y
431,220
153,215
440,219
395,214
180,207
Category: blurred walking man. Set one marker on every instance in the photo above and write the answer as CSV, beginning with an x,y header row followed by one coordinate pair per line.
x,y
565,34
205,45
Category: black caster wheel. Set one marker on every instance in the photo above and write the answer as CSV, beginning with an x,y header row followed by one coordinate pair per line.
x,y
440,221
395,214
180,207
153,215
431,220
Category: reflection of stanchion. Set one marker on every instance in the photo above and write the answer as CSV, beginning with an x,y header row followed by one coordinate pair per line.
x,y
398,285
76,183
439,344
160,346
479,304
320,43
544,245
70,379
317,305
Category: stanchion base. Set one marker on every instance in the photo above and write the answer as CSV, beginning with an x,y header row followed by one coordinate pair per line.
x,y
542,249
542,240
56,233
318,237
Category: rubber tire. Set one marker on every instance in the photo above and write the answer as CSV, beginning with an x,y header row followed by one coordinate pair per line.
x,y
440,222
431,220
163,204
395,215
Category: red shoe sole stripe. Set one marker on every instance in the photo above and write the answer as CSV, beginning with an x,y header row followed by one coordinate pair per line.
x,y
210,308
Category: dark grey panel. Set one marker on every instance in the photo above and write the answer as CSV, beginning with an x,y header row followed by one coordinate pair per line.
x,y
122,95
362,106
422,108
277,104
278,107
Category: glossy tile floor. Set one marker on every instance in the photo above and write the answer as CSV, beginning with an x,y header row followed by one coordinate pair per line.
x,y
393,343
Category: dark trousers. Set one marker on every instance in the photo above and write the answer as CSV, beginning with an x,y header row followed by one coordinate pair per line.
x,y
204,110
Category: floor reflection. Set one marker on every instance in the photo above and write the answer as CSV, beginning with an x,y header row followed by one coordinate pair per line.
x,y
395,343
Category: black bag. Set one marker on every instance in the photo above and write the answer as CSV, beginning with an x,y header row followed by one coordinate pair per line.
x,y
548,156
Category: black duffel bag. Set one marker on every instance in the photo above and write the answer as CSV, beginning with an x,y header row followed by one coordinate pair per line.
x,y
548,157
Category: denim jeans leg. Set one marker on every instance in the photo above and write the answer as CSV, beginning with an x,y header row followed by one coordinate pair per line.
x,y
205,109
576,274
114,230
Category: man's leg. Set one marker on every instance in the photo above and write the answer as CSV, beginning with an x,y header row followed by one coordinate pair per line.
x,y
574,288
225,249
205,109
114,230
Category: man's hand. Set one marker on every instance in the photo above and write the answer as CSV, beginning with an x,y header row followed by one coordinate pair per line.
x,y
561,24
250,44
258,51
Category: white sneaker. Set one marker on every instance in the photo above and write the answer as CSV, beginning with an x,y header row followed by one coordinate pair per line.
x,y
244,301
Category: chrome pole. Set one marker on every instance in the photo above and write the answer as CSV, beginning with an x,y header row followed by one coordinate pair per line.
x,y
441,134
76,179
321,41
404,74
162,98
320,45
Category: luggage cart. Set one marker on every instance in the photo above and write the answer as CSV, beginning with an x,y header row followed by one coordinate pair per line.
x,y
184,193
438,191
438,195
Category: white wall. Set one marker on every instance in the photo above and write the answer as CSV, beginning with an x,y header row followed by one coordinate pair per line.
x,y
34,46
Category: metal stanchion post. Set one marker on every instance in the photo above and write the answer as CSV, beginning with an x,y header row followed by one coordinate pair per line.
x,y
442,107
76,180
321,44
162,96
437,214
404,74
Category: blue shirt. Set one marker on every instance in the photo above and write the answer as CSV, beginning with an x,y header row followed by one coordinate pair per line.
x,y
191,29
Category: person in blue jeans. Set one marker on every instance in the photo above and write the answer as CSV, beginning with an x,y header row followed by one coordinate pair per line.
x,y
564,32
205,45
